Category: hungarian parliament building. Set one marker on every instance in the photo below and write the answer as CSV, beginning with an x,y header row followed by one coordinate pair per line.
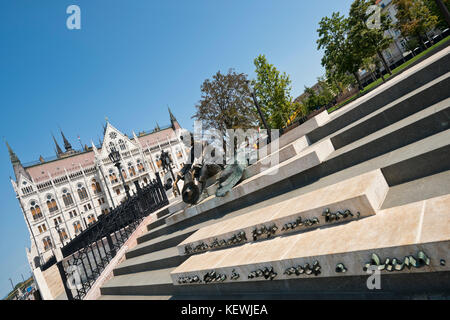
x,y
61,197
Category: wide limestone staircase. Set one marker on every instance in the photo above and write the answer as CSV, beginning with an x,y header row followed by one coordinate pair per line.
x,y
364,190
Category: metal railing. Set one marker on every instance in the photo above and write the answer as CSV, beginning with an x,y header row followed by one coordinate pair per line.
x,y
86,256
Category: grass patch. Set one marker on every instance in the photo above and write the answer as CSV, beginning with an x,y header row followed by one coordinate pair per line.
x,y
395,71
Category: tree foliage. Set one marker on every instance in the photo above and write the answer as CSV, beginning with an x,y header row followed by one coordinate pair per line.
x,y
272,90
369,41
414,18
318,99
340,55
436,11
226,103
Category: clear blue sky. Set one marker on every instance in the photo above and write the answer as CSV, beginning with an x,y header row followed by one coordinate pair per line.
x,y
128,62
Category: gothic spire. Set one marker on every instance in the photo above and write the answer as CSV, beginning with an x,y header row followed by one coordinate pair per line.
x,y
173,120
12,155
58,150
105,126
17,165
172,117
67,144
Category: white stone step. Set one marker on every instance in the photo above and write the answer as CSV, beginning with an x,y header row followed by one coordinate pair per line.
x,y
361,195
391,233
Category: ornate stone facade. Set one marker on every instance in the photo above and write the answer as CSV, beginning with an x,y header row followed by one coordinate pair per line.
x,y
61,197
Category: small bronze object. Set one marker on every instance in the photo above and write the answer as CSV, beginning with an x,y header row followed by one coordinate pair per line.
x,y
375,260
413,262
340,268
422,259
366,266
308,269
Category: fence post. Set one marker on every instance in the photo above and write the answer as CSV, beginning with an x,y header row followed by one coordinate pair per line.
x,y
62,273
161,188
111,245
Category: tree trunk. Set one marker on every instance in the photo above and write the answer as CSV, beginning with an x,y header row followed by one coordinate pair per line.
x,y
386,66
355,74
444,11
419,38
409,47
381,75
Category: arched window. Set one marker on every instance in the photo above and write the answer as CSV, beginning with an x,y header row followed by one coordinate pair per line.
x,y
91,219
140,166
145,181
42,228
112,176
47,243
96,186
131,170
124,173
51,204
77,227
82,193
35,211
67,198
158,162
122,145
63,234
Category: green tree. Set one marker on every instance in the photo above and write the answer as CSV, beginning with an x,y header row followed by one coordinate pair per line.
x,y
369,41
272,89
338,82
340,55
436,11
226,103
414,18
318,99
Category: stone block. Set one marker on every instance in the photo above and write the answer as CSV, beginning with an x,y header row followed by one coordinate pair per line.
x,y
396,232
362,194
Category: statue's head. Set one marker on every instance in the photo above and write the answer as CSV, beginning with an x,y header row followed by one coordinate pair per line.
x,y
190,193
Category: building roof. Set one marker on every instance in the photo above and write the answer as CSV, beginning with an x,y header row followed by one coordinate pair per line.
x,y
159,136
40,172
56,168
71,160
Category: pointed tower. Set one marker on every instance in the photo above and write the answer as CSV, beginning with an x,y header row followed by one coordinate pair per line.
x,y
173,121
105,126
67,144
17,165
157,128
58,149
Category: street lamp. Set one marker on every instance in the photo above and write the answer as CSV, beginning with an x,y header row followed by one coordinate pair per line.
x,y
166,163
114,156
252,92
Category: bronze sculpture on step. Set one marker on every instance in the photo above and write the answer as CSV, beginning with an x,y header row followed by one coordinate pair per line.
x,y
198,170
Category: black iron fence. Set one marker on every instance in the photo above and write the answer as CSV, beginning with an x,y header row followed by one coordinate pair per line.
x,y
86,256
